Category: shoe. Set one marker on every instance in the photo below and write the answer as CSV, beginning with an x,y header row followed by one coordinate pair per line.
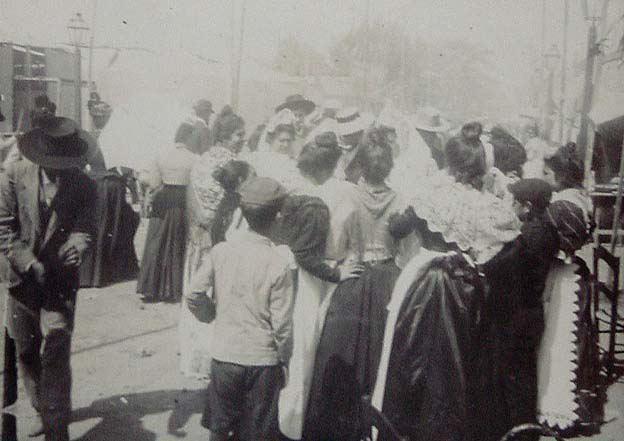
x,y
36,428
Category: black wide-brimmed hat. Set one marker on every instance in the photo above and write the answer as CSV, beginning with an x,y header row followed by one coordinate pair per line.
x,y
297,101
58,144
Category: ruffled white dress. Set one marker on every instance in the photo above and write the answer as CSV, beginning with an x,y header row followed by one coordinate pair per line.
x,y
204,195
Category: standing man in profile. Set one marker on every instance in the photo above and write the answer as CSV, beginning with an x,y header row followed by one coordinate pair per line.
x,y
201,122
47,216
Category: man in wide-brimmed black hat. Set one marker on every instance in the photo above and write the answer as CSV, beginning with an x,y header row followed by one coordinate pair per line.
x,y
47,216
301,107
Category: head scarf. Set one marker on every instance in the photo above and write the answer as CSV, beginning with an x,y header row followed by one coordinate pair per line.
x,y
568,219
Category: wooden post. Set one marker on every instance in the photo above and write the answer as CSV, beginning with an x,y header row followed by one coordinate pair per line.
x,y
618,205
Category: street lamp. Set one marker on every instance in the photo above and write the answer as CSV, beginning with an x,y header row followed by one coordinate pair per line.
x,y
78,31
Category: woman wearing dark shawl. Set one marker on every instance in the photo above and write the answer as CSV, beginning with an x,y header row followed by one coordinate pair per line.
x,y
112,257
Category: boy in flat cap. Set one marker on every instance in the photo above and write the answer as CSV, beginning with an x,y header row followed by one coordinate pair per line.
x,y
514,316
251,305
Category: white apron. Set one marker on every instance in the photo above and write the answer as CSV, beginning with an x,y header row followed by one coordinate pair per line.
x,y
557,360
311,304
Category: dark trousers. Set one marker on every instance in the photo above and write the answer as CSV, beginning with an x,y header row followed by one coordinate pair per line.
x,y
43,346
243,400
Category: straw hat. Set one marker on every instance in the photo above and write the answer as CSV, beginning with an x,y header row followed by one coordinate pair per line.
x,y
430,120
349,121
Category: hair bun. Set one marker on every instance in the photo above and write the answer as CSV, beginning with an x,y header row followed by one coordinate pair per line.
x,y
472,131
227,110
326,140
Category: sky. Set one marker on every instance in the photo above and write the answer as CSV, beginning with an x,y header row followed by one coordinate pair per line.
x,y
511,29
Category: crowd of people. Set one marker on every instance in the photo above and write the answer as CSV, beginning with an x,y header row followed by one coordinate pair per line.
x,y
333,255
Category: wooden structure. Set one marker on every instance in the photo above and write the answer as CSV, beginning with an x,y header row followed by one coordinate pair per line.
x,y
28,71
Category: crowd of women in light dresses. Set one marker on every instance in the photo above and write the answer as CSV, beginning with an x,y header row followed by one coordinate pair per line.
x,y
431,275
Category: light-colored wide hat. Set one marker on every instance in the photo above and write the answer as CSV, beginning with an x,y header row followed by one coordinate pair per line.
x,y
429,119
350,120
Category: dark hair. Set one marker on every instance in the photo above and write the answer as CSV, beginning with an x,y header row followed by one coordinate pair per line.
x,y
226,123
228,176
403,224
567,166
260,218
231,173
44,110
281,128
43,102
465,157
320,155
372,139
474,126
184,132
509,153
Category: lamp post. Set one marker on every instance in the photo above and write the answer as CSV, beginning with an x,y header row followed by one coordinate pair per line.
x,y
78,30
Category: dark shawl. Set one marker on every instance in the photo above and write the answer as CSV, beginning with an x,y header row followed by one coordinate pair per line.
x,y
111,257
348,354
430,373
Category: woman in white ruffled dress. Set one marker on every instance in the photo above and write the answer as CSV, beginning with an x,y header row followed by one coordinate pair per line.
x,y
203,198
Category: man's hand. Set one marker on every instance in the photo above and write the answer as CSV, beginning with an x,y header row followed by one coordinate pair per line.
x,y
70,257
38,271
203,308
350,270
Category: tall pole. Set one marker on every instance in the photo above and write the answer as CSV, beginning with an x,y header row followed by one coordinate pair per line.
x,y
91,39
588,91
564,68
77,86
366,49
232,50
239,59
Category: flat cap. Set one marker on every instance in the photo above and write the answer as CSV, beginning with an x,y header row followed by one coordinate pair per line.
x,y
261,192
536,191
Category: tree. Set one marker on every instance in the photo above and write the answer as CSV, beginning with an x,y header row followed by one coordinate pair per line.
x,y
298,59
455,76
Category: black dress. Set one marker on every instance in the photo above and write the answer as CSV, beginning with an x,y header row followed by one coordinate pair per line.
x,y
111,258
161,274
512,325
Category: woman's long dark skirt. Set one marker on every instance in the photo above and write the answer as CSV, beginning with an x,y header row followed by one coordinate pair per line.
x,y
160,276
